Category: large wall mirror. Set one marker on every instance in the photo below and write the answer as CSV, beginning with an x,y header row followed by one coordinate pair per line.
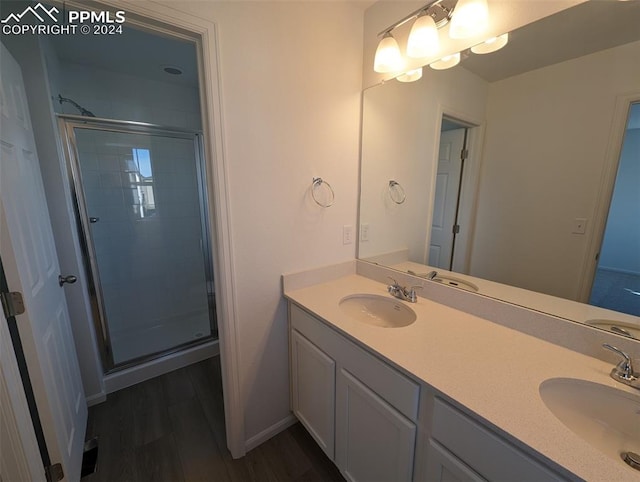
x,y
516,174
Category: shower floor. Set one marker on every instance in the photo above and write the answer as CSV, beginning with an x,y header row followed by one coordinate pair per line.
x,y
135,343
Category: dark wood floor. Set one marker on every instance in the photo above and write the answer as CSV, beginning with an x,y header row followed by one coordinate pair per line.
x,y
171,428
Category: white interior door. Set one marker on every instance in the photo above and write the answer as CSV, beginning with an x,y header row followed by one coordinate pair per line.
x,y
31,267
19,455
446,196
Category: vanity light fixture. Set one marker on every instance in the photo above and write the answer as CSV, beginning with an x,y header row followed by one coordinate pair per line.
x,y
470,18
491,45
446,62
410,76
388,57
423,39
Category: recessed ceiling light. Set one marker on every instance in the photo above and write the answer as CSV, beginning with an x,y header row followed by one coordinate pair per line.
x,y
172,69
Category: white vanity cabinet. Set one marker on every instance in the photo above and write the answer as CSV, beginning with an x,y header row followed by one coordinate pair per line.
x,y
373,440
361,411
365,415
313,384
460,449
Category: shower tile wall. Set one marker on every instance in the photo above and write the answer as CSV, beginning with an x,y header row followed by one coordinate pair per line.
x,y
112,95
149,253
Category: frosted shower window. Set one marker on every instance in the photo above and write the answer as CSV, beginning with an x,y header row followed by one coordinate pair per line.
x,y
148,239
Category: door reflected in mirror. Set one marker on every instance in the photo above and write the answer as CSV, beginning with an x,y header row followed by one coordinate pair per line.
x,y
616,284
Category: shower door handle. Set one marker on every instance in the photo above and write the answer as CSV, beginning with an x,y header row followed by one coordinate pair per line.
x,y
66,279
93,220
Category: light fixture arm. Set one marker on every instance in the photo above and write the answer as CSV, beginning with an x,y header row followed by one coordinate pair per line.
x,y
440,20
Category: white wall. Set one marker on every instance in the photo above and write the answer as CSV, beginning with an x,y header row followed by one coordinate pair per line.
x,y
291,80
400,139
545,149
620,248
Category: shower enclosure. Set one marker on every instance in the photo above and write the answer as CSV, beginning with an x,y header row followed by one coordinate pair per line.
x,y
140,194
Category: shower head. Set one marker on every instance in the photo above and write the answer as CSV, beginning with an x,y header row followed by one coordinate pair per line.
x,y
83,111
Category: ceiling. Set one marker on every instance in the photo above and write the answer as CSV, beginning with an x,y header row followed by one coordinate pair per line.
x,y
581,30
134,52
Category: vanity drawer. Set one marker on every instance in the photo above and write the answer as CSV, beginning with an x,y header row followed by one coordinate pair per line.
x,y
398,390
485,452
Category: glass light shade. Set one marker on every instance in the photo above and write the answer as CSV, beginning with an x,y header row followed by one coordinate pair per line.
x,y
388,57
423,39
446,62
470,18
491,45
410,76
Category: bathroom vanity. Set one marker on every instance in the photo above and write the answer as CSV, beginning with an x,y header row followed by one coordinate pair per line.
x,y
449,396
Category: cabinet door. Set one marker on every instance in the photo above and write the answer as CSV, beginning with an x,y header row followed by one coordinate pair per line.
x,y
443,466
374,442
313,377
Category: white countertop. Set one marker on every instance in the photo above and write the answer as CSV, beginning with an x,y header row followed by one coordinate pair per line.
x,y
491,370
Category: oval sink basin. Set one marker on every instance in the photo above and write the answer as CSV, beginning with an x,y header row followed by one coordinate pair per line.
x,y
377,310
606,418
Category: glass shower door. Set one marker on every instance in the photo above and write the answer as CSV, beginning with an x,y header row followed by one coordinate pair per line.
x,y
144,220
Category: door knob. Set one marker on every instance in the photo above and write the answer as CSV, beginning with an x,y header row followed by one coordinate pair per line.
x,y
66,279
93,220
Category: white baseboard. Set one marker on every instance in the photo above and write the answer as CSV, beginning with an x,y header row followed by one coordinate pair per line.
x,y
138,374
96,399
269,432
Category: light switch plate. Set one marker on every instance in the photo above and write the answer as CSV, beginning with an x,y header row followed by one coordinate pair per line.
x,y
347,234
364,232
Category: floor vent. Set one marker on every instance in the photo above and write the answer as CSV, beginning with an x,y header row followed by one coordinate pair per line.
x,y
89,457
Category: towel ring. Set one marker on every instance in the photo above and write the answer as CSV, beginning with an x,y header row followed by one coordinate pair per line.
x,y
396,192
317,183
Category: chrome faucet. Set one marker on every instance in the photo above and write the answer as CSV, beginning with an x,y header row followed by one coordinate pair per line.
x,y
430,275
623,372
402,292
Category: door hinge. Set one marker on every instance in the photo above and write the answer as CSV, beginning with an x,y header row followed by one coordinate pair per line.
x,y
54,473
456,228
464,154
12,303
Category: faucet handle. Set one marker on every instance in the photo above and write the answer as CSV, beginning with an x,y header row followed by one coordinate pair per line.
x,y
393,288
623,370
413,297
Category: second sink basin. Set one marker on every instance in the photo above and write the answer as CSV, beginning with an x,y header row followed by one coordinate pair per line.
x,y
377,310
606,418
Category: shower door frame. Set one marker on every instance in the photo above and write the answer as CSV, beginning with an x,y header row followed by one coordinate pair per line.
x,y
67,125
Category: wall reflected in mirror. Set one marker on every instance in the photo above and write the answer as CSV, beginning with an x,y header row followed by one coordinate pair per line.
x,y
521,213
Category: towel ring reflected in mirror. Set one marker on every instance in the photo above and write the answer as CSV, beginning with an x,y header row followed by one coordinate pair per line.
x,y
396,192
315,188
